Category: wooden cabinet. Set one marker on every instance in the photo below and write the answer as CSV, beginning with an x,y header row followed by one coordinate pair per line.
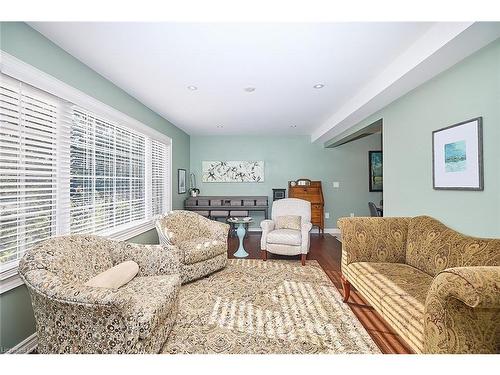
x,y
314,194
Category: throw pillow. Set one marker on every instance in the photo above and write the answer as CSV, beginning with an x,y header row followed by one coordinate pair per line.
x,y
288,222
116,276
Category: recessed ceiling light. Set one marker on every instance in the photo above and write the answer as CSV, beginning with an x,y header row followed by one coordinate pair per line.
x,y
319,86
192,88
249,89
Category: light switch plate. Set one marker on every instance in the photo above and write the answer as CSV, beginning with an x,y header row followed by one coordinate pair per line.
x,y
327,215
336,184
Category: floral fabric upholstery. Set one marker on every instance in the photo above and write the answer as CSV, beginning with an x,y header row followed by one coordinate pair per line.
x,y
201,242
74,318
433,247
462,311
201,249
284,242
397,291
439,289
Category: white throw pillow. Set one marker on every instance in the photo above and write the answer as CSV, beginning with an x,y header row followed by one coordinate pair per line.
x,y
116,276
288,222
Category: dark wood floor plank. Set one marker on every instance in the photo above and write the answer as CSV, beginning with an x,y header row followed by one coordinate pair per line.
x,y
327,251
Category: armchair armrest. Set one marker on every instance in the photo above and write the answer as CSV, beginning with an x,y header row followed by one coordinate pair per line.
x,y
163,237
267,226
462,311
214,229
305,229
56,289
373,239
152,259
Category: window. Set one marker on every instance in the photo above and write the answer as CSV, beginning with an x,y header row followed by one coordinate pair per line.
x,y
107,174
65,169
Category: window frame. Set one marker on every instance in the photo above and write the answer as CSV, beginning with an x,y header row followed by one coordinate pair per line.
x,y
18,69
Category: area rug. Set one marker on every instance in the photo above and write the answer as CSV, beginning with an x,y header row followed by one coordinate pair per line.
x,y
276,306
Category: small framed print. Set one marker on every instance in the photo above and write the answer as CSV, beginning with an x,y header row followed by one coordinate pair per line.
x,y
457,156
375,171
181,181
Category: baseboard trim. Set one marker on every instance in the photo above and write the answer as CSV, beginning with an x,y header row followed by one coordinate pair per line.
x,y
333,231
26,346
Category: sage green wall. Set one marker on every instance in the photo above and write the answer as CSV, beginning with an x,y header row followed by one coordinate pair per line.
x,y
23,42
289,158
469,89
149,237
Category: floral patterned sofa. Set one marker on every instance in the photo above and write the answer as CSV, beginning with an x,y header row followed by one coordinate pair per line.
x,y
202,242
74,318
438,289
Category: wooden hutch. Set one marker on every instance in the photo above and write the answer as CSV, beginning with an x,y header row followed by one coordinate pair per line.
x,y
310,191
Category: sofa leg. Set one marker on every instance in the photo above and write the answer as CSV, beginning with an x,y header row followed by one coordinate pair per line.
x,y
303,259
264,255
346,285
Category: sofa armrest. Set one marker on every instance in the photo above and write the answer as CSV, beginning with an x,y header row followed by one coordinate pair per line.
x,y
462,311
152,259
477,287
304,232
373,239
267,226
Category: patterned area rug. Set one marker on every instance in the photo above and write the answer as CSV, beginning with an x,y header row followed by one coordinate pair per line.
x,y
276,306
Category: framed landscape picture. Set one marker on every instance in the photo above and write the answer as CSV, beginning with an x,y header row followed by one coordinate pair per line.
x,y
375,169
457,156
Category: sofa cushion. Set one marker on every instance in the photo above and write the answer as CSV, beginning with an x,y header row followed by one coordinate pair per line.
x,y
288,222
398,292
151,300
433,247
116,276
201,249
285,237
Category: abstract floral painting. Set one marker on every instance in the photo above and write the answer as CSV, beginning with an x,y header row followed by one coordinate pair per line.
x,y
233,171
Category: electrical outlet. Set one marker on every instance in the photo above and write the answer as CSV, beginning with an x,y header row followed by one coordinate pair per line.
x,y
327,215
352,214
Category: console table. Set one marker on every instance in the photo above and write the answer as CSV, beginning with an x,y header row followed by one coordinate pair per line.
x,y
227,206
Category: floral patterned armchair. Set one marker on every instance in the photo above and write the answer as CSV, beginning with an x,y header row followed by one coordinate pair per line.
x,y
74,318
202,242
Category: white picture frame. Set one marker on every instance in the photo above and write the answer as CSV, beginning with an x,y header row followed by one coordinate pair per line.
x,y
457,156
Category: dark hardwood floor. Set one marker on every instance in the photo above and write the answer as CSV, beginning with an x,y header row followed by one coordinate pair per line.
x,y
327,251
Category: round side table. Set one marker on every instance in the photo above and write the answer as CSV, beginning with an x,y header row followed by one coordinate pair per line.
x,y
241,252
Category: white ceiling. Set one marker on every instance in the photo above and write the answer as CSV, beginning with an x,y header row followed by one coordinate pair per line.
x,y
155,62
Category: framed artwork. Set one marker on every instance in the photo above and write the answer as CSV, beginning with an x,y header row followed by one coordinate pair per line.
x,y
181,181
457,156
375,169
232,171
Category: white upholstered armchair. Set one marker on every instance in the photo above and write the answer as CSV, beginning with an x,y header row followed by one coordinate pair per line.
x,y
288,231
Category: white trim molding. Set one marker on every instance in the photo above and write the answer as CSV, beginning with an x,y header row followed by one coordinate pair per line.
x,y
26,346
27,73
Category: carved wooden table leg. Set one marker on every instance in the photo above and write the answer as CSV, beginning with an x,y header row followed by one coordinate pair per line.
x,y
346,285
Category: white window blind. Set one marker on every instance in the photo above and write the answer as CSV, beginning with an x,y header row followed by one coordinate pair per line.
x,y
107,174
31,123
64,169
159,168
